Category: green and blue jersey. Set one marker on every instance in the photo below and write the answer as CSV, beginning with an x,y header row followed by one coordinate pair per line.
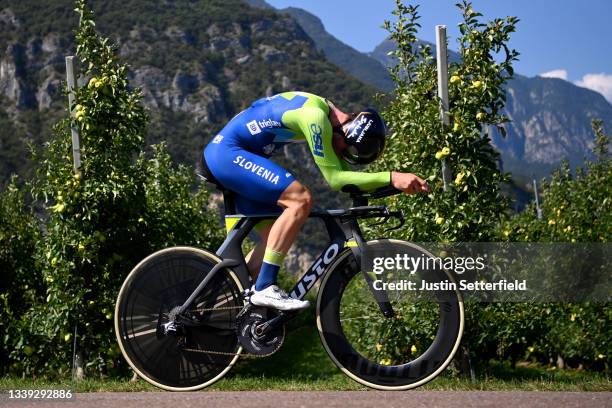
x,y
237,155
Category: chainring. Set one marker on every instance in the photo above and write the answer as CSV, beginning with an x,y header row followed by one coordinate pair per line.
x,y
247,321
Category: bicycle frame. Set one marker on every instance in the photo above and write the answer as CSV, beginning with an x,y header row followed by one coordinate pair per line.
x,y
343,231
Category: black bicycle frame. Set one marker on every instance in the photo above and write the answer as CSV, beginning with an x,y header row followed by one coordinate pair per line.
x,y
341,226
343,231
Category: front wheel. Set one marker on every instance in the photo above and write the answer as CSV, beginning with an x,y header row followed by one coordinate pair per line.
x,y
388,353
202,351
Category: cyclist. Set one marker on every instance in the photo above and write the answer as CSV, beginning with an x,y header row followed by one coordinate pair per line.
x,y
237,159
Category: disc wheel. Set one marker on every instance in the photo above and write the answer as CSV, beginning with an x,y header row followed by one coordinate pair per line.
x,y
396,353
199,353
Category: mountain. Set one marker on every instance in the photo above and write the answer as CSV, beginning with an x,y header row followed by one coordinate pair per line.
x,y
197,62
550,121
382,50
200,62
550,118
259,4
359,65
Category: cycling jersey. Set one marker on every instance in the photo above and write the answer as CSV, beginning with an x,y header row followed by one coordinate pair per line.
x,y
238,155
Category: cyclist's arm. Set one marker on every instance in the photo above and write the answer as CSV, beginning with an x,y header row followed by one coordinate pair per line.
x,y
365,181
316,128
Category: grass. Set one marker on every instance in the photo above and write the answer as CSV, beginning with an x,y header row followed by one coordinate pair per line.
x,y
286,371
303,365
560,381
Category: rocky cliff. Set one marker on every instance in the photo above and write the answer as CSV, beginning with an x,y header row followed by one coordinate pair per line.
x,y
550,121
198,63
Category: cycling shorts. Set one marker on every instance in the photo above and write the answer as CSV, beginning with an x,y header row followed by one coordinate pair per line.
x,y
257,181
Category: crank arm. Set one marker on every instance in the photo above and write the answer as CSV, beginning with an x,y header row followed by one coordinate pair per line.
x,y
273,323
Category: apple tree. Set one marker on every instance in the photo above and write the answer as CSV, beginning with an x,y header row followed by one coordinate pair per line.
x,y
124,203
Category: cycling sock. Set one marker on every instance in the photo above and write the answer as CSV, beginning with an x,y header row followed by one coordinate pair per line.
x,y
269,269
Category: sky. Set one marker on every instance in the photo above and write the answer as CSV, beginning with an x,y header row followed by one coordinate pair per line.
x,y
568,39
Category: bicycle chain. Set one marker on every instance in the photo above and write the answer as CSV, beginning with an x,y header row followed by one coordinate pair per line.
x,y
209,309
222,353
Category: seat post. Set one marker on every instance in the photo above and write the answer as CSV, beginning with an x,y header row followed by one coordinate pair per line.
x,y
229,202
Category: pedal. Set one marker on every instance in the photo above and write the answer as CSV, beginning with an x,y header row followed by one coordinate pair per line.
x,y
247,294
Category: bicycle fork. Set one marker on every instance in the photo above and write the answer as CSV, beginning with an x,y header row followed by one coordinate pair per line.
x,y
379,295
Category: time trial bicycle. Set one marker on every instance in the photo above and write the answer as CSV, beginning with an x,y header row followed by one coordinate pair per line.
x,y
183,317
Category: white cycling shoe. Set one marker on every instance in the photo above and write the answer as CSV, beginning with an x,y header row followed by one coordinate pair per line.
x,y
276,298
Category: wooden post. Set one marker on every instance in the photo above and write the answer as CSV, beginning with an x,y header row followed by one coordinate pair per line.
x,y
71,80
442,60
537,200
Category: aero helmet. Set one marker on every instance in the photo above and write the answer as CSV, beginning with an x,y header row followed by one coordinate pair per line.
x,y
365,137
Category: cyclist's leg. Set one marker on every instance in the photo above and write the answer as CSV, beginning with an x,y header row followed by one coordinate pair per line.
x,y
254,258
261,182
276,236
297,203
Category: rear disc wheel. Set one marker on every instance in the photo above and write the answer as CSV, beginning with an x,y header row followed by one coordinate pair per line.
x,y
198,353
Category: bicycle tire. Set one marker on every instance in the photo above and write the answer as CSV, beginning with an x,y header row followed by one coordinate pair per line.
x,y
155,286
360,368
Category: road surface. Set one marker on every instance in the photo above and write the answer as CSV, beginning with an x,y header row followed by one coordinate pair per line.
x,y
327,399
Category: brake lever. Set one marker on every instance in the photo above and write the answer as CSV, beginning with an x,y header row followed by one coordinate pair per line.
x,y
384,220
385,217
400,215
